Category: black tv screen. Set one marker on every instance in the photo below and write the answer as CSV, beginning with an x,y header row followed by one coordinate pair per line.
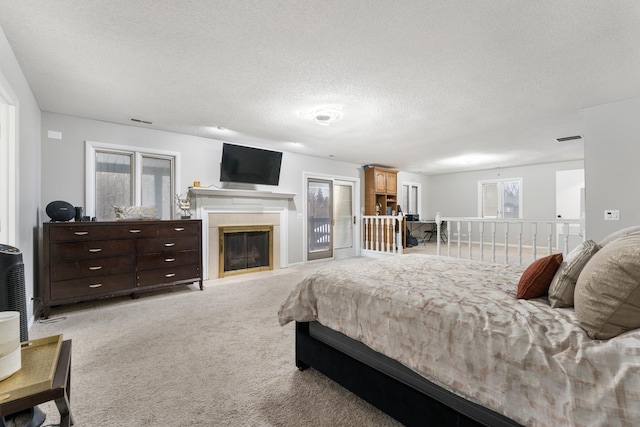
x,y
250,165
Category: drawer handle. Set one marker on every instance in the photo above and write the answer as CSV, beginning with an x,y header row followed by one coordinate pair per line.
x,y
95,250
169,259
168,245
170,275
95,268
81,233
96,285
135,230
179,228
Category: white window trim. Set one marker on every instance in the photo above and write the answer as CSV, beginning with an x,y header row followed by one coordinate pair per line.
x,y
497,181
418,185
90,167
8,165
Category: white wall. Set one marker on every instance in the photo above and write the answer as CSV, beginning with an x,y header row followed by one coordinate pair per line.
x,y
457,194
612,166
28,168
63,171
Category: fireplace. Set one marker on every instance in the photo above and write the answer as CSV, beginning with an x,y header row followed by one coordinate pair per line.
x,y
245,249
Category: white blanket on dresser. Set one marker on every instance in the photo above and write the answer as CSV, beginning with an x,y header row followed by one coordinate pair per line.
x,y
458,324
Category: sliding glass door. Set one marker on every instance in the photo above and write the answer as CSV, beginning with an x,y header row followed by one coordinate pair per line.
x,y
330,219
319,219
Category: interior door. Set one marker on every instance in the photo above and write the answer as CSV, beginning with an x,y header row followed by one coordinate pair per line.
x,y
344,219
319,218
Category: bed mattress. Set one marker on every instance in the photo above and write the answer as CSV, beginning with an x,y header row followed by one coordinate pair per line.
x,y
458,324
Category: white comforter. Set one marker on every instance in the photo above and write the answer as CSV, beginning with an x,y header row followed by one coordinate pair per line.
x,y
458,323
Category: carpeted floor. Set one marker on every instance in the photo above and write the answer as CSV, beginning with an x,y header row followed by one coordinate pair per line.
x,y
187,357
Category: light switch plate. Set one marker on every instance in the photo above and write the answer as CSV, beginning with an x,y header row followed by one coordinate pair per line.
x,y
52,134
611,215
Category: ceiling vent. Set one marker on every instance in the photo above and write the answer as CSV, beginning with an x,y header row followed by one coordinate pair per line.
x,y
145,122
569,138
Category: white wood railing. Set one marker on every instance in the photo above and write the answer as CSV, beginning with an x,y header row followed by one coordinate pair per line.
x,y
380,235
533,235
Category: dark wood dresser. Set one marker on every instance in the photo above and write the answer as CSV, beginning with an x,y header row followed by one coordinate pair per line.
x,y
89,260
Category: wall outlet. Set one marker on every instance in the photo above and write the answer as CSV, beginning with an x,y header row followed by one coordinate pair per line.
x,y
611,215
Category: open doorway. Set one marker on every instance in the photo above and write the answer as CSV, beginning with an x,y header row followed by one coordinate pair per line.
x,y
570,205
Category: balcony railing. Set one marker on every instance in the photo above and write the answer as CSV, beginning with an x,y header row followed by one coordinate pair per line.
x,y
496,240
501,237
381,235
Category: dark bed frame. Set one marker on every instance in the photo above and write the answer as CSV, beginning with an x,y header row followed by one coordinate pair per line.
x,y
386,383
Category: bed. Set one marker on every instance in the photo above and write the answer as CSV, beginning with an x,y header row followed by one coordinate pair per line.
x,y
442,341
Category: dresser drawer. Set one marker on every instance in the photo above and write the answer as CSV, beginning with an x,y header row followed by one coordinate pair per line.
x,y
97,231
92,268
91,250
167,259
180,228
80,288
169,243
168,275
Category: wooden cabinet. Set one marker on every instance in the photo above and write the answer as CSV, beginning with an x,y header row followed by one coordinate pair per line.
x,y
380,191
385,180
89,260
381,198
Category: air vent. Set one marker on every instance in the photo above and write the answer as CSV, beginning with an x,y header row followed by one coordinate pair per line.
x,y
569,138
146,122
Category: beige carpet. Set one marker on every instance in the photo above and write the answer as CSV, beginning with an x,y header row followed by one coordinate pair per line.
x,y
187,357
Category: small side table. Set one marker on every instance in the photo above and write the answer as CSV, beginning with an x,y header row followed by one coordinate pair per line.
x,y
60,391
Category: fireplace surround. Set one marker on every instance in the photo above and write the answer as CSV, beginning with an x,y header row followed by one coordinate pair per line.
x,y
221,207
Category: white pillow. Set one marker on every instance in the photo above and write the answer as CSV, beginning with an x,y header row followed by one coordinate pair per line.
x,y
564,282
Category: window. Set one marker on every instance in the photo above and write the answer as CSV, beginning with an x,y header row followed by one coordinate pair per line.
x,y
128,176
410,201
500,198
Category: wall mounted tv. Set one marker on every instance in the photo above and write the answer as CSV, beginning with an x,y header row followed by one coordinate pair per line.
x,y
250,165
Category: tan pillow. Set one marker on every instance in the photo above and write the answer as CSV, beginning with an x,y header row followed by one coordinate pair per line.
x,y
536,279
607,295
563,284
634,229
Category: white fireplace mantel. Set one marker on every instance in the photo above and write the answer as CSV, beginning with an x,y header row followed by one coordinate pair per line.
x,y
223,192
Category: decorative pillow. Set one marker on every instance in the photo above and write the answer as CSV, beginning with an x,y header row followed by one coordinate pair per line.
x,y
607,295
563,284
536,279
136,212
634,229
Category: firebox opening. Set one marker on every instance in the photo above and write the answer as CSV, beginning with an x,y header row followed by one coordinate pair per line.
x,y
245,249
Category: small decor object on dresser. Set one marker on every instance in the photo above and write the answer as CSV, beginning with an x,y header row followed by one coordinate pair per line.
x,y
60,211
136,212
184,204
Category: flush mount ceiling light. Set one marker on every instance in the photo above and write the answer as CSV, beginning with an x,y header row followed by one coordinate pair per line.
x,y
469,159
326,115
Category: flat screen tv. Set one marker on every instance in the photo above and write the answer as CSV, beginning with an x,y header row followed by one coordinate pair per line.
x,y
250,165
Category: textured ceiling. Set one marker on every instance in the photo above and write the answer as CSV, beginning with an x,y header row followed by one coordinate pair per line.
x,y
423,86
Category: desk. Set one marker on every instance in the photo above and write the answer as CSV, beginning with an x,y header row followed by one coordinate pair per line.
x,y
432,230
60,391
